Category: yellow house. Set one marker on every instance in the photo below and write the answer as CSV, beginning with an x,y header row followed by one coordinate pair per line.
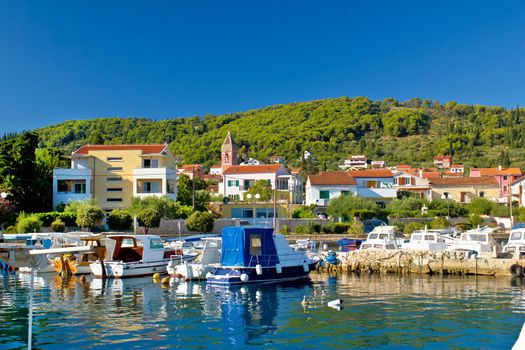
x,y
463,190
113,174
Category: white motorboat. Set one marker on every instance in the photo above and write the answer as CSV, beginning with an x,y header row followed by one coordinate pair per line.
x,y
209,258
383,237
431,240
478,240
516,242
135,255
51,240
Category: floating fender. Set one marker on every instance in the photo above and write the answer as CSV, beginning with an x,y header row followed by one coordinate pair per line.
x,y
156,276
258,269
278,268
306,268
165,280
244,277
516,270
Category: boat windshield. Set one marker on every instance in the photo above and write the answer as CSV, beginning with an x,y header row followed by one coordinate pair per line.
x,y
431,238
474,237
127,243
156,244
372,236
416,237
515,236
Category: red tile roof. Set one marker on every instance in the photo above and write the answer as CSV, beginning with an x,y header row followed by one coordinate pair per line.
x,y
371,173
253,169
496,171
340,178
463,181
146,149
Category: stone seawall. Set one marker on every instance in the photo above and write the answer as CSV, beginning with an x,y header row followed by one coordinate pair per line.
x,y
424,262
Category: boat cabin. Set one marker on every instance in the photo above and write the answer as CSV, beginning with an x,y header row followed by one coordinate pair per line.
x,y
248,246
426,240
131,248
516,241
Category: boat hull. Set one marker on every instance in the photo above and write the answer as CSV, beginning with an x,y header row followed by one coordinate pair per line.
x,y
229,276
119,269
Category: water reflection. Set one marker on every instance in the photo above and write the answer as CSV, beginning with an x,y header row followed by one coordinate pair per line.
x,y
380,311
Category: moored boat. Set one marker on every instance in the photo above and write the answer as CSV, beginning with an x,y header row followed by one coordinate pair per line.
x,y
257,255
209,257
135,255
383,237
478,240
431,240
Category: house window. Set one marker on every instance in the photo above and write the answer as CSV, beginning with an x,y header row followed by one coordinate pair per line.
x,y
114,199
446,195
114,159
80,188
150,187
482,194
171,186
150,163
372,184
395,181
115,178
114,168
114,189
324,194
233,183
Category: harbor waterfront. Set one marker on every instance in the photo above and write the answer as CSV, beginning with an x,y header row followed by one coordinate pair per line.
x,y
379,311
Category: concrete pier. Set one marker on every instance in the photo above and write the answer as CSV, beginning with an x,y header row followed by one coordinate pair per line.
x,y
425,262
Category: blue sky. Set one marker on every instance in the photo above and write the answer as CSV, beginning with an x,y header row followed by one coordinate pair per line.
x,y
164,59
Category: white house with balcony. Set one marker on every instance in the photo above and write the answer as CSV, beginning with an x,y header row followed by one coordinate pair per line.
x,y
376,185
416,185
237,179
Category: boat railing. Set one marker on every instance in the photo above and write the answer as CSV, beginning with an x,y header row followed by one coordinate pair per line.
x,y
271,260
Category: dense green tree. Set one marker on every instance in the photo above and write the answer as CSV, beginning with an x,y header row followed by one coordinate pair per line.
x,y
344,206
200,221
149,217
119,220
89,216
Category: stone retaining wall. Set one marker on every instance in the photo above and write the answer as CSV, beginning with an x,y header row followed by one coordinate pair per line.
x,y
422,262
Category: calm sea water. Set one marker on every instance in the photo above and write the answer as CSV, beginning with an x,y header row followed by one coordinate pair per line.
x,y
380,312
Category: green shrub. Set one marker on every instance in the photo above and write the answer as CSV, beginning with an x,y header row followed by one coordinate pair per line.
x,y
440,222
306,212
356,228
200,221
68,218
28,223
336,227
399,224
475,220
119,220
10,229
413,226
58,226
89,215
285,229
364,214
301,229
316,228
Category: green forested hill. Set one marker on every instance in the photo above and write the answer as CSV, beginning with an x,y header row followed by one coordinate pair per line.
x,y
398,132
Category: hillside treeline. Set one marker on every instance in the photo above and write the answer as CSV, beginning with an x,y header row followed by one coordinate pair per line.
x,y
398,132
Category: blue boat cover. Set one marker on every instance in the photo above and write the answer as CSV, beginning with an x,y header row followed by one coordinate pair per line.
x,y
236,247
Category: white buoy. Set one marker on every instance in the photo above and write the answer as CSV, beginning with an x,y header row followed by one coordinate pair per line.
x,y
336,302
278,268
258,269
304,303
306,268
244,277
